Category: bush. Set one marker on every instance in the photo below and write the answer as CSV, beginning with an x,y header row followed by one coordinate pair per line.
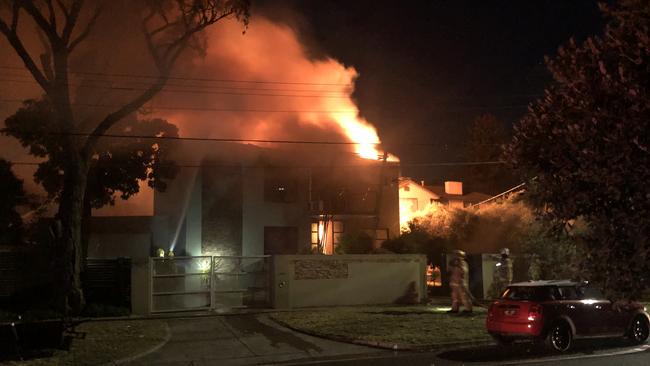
x,y
360,243
553,255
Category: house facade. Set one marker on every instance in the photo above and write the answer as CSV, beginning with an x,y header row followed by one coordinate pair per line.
x,y
275,206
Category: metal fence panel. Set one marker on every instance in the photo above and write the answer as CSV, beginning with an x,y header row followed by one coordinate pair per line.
x,y
209,283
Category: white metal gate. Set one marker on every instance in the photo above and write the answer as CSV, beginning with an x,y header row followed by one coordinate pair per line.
x,y
204,283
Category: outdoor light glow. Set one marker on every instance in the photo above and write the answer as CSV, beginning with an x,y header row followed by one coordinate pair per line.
x,y
161,252
204,266
441,308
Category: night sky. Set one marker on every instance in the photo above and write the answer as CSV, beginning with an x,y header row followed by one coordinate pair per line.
x,y
428,68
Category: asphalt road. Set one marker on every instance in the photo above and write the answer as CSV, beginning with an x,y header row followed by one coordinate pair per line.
x,y
597,353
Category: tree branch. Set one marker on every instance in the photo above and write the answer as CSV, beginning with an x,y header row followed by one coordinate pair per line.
x,y
40,20
190,32
14,17
71,21
20,49
63,8
122,112
50,8
87,30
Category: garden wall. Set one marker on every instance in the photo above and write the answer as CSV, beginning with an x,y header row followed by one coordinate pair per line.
x,y
334,280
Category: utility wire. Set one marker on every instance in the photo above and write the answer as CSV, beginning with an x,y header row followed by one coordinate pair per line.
x,y
235,140
245,110
28,79
202,109
200,165
185,78
188,91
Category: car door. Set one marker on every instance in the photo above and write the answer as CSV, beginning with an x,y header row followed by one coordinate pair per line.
x,y
575,309
602,319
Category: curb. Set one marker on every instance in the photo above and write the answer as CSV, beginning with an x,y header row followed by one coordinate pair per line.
x,y
122,361
388,345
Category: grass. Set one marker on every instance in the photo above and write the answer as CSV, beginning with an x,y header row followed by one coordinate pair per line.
x,y
405,326
104,341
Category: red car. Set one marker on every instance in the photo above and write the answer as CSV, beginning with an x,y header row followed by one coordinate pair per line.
x,y
560,311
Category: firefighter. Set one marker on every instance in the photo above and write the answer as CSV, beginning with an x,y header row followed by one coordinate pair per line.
x,y
502,274
458,282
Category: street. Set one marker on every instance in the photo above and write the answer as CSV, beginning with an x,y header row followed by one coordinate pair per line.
x,y
596,353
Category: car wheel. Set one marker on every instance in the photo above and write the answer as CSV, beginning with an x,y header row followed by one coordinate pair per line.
x,y
502,341
640,329
559,337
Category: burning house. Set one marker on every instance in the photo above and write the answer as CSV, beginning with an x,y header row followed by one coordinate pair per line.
x,y
265,201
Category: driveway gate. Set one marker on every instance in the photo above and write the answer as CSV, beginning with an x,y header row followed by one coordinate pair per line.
x,y
209,283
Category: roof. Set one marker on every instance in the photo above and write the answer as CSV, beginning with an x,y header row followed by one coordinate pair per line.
x,y
546,283
406,181
471,197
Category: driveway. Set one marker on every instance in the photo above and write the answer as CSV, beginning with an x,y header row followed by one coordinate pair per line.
x,y
242,340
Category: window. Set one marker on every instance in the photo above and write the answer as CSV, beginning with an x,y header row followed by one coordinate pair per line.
x,y
590,293
568,293
530,293
280,240
326,234
314,237
337,232
279,186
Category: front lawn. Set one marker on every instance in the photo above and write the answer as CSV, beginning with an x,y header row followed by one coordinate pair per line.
x,y
100,342
404,326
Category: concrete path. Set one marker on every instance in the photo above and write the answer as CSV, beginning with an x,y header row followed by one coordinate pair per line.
x,y
242,340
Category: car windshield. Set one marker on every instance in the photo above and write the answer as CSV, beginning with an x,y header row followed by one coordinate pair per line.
x,y
530,293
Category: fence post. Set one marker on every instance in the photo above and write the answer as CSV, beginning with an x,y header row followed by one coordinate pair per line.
x,y
210,287
150,282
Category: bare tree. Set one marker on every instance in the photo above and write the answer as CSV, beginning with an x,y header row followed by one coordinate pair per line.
x,y
169,28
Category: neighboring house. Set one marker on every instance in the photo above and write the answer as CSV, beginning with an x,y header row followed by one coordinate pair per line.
x,y
452,195
414,200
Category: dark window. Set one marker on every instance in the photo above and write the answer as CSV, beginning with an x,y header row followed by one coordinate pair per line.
x,y
590,293
568,293
530,293
280,240
279,186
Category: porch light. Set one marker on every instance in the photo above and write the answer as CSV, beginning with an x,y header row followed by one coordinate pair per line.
x,y
161,252
204,266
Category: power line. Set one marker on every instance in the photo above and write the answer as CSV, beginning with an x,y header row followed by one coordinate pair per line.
x,y
186,78
202,109
237,140
188,91
246,110
200,165
28,79
201,89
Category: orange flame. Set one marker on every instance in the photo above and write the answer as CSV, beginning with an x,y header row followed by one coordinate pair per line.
x,y
313,95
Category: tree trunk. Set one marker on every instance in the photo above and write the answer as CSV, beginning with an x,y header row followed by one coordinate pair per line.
x,y
85,230
69,249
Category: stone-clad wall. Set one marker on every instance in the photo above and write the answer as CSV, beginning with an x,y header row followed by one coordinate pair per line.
x,y
221,229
